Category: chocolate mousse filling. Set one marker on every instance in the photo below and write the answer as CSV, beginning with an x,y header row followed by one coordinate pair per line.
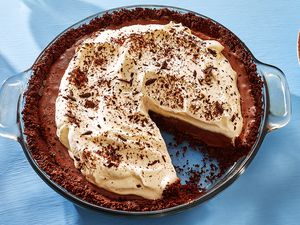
x,y
53,157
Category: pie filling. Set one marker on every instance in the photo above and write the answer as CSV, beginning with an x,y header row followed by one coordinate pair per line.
x,y
116,76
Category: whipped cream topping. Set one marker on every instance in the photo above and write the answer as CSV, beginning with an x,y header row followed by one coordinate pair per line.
x,y
116,77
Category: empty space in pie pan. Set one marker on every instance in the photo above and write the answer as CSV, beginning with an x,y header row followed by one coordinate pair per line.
x,y
191,160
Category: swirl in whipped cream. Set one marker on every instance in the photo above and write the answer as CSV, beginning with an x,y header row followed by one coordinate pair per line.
x,y
112,82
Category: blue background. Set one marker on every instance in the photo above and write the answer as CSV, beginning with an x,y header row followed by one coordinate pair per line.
x,y
269,190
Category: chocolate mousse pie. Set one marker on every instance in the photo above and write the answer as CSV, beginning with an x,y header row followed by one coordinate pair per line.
x,y
101,94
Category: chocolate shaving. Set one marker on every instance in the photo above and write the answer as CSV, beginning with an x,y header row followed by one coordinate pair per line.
x,y
233,118
213,52
208,75
71,97
85,95
208,70
164,65
87,133
123,139
153,163
72,118
78,78
150,81
89,104
98,61
218,109
195,73
126,81
111,164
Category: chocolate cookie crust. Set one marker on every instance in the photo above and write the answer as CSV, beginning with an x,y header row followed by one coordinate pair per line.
x,y
67,175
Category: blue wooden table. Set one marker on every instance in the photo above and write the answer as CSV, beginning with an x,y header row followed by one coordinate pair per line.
x,y
267,193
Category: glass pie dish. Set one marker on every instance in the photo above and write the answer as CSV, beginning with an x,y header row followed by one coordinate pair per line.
x,y
276,114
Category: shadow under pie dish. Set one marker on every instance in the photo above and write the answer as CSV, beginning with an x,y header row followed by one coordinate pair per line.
x,y
104,88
